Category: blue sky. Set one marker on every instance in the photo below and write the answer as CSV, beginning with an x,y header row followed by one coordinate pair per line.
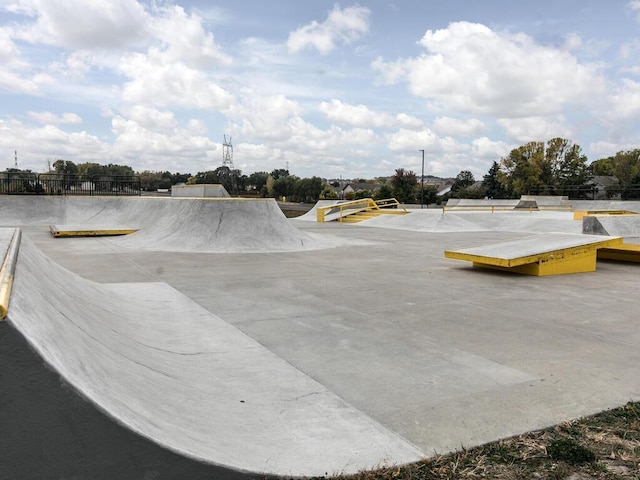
x,y
328,88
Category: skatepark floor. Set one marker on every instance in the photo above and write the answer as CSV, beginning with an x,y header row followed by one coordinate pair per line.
x,y
443,355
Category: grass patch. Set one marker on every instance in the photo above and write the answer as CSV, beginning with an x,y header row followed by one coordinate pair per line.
x,y
605,446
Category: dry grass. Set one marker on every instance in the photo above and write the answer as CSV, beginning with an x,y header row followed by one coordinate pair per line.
x,y
604,446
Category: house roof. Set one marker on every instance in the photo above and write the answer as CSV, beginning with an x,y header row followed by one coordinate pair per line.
x,y
603,180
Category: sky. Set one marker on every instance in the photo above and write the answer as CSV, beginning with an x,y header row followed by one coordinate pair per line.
x,y
334,89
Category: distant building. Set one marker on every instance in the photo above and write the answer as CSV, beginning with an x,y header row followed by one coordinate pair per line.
x,y
599,186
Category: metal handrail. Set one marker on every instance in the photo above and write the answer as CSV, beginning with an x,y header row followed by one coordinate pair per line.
x,y
354,206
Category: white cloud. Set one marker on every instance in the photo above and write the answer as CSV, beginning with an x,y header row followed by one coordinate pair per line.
x,y
625,102
157,82
186,39
361,116
458,127
634,5
469,68
535,129
340,27
37,144
413,140
54,119
262,117
484,148
81,24
153,147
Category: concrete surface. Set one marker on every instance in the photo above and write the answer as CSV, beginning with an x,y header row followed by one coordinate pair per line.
x,y
398,339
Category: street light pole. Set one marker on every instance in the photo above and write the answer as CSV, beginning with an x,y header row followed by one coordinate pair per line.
x,y
422,182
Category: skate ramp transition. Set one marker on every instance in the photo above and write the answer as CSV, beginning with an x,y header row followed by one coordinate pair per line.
x,y
169,224
435,221
172,372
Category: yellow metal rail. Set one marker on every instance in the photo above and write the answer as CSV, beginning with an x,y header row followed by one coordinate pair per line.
x,y
341,210
7,271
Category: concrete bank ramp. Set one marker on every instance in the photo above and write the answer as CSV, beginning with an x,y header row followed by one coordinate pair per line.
x,y
433,220
311,215
613,225
169,370
170,224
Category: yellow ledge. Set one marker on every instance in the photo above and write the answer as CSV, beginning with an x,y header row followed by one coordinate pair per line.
x,y
563,259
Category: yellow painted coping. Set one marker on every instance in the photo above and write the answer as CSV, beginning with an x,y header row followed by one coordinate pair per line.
x,y
7,271
91,232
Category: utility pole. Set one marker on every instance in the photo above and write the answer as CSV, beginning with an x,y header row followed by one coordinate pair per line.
x,y
422,182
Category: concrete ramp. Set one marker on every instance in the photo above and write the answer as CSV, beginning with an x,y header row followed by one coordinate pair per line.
x,y
167,369
170,224
540,255
434,221
620,225
312,215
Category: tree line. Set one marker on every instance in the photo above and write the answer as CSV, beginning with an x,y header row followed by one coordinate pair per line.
x,y
555,167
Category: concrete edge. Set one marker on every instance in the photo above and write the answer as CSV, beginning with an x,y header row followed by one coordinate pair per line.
x,y
7,271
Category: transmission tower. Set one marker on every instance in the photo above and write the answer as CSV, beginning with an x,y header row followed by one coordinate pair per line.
x,y
227,153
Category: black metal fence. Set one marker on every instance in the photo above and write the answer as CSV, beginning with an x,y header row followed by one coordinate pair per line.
x,y
23,183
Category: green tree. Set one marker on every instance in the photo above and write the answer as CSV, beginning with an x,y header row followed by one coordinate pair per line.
x,y
404,184
493,183
463,181
65,167
556,168
257,181
428,194
522,169
308,189
385,191
625,166
285,186
361,193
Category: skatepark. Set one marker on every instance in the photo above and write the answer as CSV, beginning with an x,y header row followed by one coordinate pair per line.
x,y
221,338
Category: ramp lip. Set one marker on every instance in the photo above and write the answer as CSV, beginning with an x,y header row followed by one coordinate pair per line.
x,y
7,272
